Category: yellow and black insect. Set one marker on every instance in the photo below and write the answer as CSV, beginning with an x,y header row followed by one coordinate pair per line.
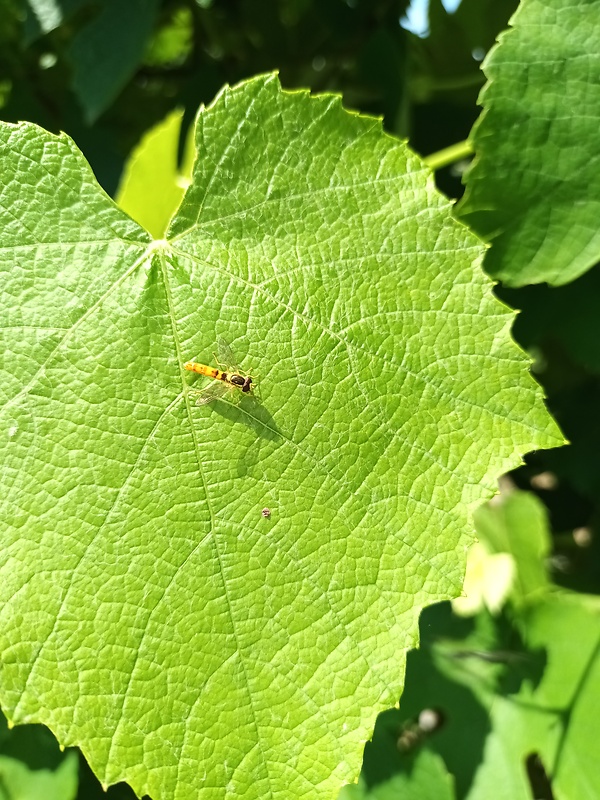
x,y
229,380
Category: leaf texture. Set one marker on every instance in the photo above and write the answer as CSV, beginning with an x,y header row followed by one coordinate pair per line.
x,y
151,613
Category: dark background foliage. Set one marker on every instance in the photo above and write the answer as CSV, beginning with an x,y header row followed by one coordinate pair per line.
x,y
105,71
63,70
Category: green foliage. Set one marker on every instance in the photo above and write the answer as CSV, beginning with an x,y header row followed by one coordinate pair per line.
x,y
519,527
18,781
150,612
532,190
106,51
357,49
32,766
296,240
153,186
551,714
515,693
427,779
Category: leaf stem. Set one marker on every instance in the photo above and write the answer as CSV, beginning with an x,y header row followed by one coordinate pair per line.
x,y
449,155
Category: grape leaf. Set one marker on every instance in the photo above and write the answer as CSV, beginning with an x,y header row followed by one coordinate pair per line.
x,y
152,186
552,720
534,190
151,613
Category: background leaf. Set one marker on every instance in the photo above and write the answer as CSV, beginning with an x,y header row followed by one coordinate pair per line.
x,y
18,781
44,16
150,612
517,700
551,720
427,779
153,185
106,51
533,190
518,526
32,766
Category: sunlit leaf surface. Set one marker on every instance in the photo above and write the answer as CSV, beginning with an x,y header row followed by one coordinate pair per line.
x,y
151,612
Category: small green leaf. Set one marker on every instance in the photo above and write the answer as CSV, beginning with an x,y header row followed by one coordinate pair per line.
x,y
425,779
518,525
149,611
20,782
152,186
534,190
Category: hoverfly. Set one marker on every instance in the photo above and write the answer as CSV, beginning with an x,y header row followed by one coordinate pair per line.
x,y
228,380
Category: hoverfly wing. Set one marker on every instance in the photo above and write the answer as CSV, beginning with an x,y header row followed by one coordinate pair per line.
x,y
225,354
213,391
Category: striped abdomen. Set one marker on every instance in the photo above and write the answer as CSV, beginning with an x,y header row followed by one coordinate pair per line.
x,y
203,369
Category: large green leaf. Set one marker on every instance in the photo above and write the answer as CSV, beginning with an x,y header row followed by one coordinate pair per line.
x,y
534,190
150,612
